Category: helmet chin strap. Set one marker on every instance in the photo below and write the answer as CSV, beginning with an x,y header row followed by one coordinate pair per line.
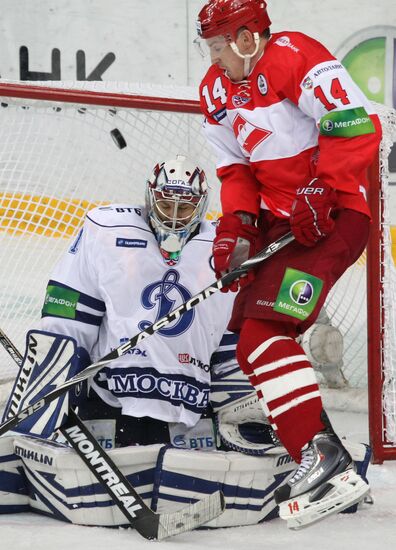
x,y
247,57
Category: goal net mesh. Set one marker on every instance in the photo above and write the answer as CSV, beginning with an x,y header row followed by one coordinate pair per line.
x,y
59,159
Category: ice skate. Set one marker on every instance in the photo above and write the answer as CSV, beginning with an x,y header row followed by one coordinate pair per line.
x,y
324,483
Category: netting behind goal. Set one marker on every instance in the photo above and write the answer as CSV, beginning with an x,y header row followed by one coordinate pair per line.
x,y
58,160
66,147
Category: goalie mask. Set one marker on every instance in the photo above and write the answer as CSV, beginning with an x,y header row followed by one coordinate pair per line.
x,y
176,201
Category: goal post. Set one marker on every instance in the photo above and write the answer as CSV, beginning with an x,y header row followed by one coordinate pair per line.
x,y
68,146
381,313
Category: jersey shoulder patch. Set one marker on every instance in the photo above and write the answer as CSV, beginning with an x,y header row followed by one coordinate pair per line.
x,y
118,215
297,47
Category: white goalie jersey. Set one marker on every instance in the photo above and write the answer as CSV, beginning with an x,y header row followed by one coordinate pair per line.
x,y
113,283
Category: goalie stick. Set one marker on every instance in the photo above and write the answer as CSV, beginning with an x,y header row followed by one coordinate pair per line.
x,y
150,525
91,370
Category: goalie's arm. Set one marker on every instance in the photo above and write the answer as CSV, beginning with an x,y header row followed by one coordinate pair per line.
x,y
73,305
61,347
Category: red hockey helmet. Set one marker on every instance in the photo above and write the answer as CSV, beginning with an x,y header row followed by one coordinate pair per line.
x,y
226,17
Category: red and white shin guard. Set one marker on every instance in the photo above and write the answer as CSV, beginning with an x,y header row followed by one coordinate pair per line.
x,y
284,380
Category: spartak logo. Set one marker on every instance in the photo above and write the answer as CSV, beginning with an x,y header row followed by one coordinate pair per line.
x,y
248,135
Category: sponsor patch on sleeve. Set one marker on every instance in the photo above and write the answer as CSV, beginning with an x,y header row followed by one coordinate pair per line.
x,y
298,294
60,302
219,115
348,123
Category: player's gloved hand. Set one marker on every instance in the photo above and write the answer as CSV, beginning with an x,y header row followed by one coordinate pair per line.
x,y
234,243
310,218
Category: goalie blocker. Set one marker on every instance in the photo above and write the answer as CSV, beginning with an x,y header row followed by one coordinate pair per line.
x,y
49,361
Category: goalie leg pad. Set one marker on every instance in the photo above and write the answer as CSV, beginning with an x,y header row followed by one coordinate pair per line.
x,y
50,478
247,482
13,485
60,484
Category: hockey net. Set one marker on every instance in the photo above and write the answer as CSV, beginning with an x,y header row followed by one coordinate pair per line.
x,y
66,147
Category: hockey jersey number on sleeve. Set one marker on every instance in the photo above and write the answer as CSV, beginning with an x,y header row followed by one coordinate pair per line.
x,y
217,92
330,96
337,92
213,94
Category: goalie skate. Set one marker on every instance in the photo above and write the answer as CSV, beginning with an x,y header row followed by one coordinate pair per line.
x,y
325,483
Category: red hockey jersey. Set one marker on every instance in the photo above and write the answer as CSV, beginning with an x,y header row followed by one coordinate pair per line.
x,y
298,115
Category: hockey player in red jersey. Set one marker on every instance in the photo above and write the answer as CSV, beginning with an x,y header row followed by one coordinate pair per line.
x,y
293,136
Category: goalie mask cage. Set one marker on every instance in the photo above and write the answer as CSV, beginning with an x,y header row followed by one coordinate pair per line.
x,y
67,147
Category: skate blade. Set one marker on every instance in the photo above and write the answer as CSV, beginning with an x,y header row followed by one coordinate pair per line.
x,y
348,489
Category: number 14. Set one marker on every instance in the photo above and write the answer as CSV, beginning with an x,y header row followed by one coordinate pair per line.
x,y
337,92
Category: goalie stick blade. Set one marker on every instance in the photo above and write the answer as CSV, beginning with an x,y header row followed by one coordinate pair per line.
x,y
190,517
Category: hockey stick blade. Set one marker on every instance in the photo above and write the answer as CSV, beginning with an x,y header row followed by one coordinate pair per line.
x,y
175,314
150,525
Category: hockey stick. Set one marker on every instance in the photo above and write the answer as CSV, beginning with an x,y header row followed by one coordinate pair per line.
x,y
150,525
164,321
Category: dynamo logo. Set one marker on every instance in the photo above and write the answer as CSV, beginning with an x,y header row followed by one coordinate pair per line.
x,y
165,295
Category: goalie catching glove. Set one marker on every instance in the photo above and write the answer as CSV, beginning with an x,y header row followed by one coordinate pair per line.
x,y
234,243
310,218
240,421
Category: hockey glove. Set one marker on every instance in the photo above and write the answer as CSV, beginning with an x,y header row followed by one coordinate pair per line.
x,y
310,218
234,243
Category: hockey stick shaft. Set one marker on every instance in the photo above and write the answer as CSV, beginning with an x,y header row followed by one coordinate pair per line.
x,y
10,348
175,314
150,525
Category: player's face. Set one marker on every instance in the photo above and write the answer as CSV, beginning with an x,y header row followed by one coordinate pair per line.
x,y
177,213
210,47
221,54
